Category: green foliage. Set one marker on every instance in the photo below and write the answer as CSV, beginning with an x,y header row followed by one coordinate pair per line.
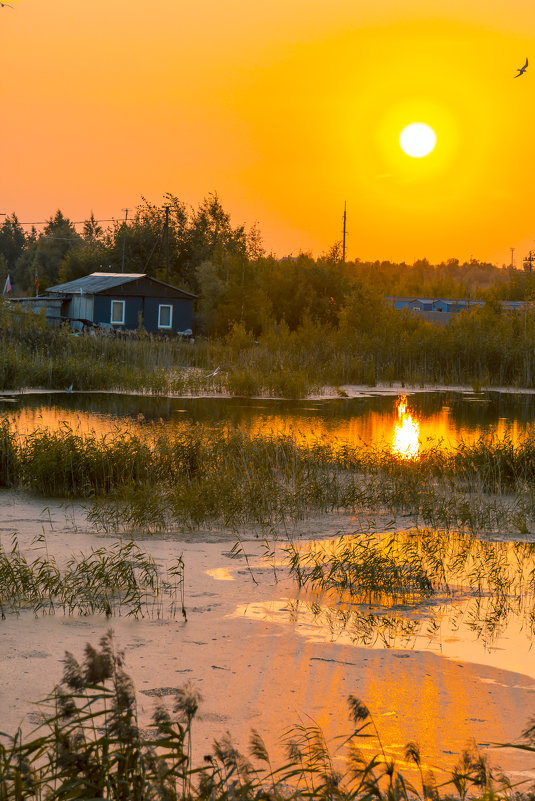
x,y
318,322
12,241
121,578
43,256
9,461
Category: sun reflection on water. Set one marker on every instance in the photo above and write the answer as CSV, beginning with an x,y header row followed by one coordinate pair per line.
x,y
405,442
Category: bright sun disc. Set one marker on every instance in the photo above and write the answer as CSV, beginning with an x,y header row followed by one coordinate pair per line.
x,y
417,140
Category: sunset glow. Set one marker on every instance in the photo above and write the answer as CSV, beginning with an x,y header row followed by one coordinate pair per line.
x,y
405,442
286,109
417,140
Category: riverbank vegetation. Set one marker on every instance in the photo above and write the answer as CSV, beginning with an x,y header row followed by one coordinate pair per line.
x,y
482,348
273,327
90,744
201,476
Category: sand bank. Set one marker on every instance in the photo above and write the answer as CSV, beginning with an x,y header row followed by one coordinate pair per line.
x,y
255,664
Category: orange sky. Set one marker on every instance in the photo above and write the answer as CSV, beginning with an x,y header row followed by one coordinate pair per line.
x,y
286,108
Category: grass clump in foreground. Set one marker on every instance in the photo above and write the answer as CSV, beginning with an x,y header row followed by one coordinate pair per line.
x,y
90,746
120,579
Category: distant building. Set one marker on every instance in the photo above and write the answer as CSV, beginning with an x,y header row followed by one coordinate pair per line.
x,y
121,300
441,310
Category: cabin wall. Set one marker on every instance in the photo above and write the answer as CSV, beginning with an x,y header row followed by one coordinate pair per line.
x,y
182,314
81,307
133,308
148,308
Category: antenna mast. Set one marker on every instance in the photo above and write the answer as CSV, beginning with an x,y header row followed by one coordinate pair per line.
x,y
167,244
124,239
344,232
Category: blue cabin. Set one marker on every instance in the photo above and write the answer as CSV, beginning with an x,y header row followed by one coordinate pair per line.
x,y
124,300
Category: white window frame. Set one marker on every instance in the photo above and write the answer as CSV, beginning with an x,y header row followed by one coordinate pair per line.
x,y
117,322
165,306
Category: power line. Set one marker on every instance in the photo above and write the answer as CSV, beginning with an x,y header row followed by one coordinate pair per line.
x,y
74,222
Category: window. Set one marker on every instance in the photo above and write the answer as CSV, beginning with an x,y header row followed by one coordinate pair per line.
x,y
117,312
165,316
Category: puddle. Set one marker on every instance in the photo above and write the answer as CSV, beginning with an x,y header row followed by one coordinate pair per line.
x,y
220,574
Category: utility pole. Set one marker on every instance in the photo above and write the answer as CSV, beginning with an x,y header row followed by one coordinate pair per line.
x,y
344,235
528,261
512,258
167,244
124,239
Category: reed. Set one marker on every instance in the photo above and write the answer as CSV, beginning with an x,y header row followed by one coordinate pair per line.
x,y
90,745
278,362
116,580
359,584
199,476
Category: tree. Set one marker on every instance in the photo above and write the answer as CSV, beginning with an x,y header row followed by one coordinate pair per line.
x,y
42,259
92,232
12,240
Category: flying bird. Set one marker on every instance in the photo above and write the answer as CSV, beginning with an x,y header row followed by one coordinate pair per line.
x,y
522,70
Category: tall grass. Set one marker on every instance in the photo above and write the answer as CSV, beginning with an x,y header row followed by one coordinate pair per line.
x,y
359,583
278,363
90,746
200,476
115,580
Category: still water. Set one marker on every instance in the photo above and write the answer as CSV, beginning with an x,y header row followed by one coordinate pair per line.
x,y
444,668
448,416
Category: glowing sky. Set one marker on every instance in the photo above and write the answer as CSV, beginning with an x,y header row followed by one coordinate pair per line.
x,y
286,108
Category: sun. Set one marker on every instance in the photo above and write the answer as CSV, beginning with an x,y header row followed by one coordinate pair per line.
x,y
417,140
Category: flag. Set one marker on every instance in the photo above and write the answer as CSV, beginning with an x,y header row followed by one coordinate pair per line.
x,y
7,285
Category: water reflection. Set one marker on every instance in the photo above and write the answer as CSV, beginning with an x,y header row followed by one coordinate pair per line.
x,y
405,442
420,589
448,416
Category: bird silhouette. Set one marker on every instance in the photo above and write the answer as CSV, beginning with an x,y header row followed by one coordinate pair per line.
x,y
522,70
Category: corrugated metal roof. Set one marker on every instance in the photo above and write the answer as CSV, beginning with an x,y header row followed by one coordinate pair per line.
x,y
96,282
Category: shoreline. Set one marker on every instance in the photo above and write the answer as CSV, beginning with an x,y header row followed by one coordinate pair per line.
x,y
343,392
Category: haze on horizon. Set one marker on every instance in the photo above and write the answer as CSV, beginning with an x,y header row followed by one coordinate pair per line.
x,y
285,108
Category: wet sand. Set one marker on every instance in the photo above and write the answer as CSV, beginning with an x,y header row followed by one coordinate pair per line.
x,y
256,665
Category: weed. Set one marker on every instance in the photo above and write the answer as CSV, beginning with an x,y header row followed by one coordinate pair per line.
x,y
90,746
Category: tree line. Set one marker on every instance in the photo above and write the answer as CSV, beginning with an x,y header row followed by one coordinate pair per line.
x,y
237,281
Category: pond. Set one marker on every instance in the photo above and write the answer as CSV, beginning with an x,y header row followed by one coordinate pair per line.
x,y
448,416
437,666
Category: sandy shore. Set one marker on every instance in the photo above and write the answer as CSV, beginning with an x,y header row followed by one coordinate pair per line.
x,y
257,665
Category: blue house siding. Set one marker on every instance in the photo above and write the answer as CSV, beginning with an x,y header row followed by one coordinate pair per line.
x,y
148,307
182,314
133,308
